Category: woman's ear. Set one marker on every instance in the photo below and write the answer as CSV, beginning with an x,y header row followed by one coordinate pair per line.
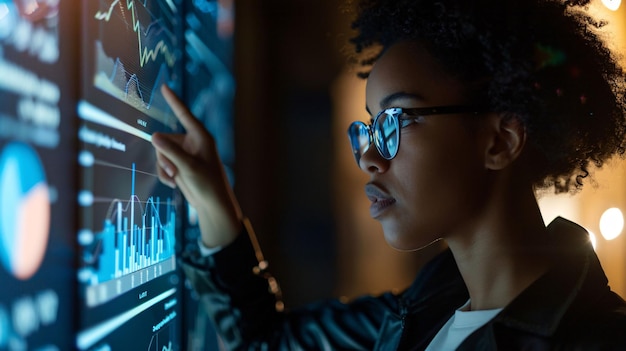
x,y
507,137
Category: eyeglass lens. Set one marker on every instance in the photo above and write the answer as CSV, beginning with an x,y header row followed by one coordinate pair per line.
x,y
384,134
359,138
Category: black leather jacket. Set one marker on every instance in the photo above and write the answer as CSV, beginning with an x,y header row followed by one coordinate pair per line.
x,y
571,307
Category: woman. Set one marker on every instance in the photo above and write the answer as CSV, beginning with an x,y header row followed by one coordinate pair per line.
x,y
475,105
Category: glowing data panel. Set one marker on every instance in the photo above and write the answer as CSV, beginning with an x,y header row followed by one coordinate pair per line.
x,y
127,237
132,49
129,284
36,177
134,246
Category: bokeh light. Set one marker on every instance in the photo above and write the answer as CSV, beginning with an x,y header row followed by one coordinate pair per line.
x,y
611,223
612,5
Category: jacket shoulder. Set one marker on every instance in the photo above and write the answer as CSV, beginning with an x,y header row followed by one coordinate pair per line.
x,y
604,328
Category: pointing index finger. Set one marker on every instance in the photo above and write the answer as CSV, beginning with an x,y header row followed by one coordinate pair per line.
x,y
181,111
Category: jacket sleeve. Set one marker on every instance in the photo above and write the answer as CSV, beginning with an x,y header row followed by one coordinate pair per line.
x,y
243,301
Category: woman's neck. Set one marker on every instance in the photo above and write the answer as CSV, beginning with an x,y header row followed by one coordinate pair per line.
x,y
503,251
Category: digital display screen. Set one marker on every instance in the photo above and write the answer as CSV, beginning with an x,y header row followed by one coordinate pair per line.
x,y
37,168
129,284
133,47
89,237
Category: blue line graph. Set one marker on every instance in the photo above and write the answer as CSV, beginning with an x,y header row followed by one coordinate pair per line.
x,y
132,87
135,51
125,246
146,53
162,340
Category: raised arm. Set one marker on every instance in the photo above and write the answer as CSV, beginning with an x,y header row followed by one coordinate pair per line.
x,y
241,297
190,162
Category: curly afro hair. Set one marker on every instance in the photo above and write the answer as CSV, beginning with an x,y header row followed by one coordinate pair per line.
x,y
540,61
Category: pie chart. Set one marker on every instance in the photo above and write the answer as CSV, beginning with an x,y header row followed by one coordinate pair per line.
x,y
24,210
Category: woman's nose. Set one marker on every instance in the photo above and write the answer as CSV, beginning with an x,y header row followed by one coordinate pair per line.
x,y
372,162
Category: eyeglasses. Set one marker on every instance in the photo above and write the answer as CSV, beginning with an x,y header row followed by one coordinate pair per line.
x,y
384,131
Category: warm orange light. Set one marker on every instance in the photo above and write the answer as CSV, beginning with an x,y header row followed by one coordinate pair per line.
x,y
611,223
612,5
593,239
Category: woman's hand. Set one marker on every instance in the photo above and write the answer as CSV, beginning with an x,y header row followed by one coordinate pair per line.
x,y
190,162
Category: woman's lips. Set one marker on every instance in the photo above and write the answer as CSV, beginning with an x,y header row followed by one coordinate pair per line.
x,y
379,206
380,200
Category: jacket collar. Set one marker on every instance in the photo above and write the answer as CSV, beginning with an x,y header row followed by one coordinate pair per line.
x,y
562,293
439,277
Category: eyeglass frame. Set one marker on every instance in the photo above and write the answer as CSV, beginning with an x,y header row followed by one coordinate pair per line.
x,y
414,113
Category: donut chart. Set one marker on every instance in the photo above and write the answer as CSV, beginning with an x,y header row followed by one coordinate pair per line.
x,y
24,210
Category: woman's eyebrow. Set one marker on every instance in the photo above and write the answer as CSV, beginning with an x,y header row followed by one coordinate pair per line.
x,y
388,100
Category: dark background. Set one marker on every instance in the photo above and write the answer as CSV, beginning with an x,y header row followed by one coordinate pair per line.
x,y
287,54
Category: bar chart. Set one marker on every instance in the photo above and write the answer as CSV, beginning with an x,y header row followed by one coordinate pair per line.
x,y
128,246
136,243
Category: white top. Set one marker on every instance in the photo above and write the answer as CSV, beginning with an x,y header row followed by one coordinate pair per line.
x,y
460,326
